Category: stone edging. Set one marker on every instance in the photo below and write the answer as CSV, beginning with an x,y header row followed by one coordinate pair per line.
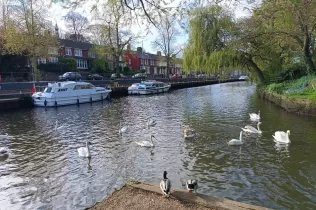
x,y
300,106
196,198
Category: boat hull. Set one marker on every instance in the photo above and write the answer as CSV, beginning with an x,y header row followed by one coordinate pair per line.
x,y
69,100
148,91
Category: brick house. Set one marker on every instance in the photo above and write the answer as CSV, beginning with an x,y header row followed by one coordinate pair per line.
x,y
148,61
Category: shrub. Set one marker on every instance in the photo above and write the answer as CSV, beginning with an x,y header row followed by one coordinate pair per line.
x,y
71,62
293,71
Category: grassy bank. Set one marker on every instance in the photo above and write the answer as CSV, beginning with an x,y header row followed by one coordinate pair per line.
x,y
301,89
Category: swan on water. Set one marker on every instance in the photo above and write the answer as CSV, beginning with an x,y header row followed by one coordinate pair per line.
x,y
123,129
4,152
236,141
251,129
282,137
84,151
188,133
146,143
191,185
255,116
165,185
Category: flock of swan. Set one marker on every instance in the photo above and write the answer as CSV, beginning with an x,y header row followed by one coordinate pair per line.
x,y
280,137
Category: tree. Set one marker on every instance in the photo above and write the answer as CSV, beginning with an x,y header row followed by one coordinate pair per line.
x,y
27,32
70,62
293,23
115,34
77,24
167,34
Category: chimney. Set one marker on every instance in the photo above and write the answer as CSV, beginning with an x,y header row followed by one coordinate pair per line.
x,y
159,53
139,49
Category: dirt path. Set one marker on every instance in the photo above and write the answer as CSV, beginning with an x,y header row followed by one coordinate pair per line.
x,y
129,198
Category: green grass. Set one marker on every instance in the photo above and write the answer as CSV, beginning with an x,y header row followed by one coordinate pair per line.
x,y
308,94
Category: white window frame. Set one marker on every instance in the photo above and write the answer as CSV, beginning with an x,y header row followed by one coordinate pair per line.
x,y
41,60
68,51
82,64
78,52
53,60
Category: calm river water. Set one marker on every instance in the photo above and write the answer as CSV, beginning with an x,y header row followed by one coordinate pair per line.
x,y
44,170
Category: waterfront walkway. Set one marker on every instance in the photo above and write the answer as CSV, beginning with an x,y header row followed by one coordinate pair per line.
x,y
140,195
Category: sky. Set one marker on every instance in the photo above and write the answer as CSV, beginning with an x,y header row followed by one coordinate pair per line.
x,y
58,11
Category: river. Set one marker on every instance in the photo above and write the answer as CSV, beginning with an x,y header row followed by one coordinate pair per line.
x,y
44,171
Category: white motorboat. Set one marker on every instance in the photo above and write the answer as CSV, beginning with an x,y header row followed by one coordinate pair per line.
x,y
148,87
67,93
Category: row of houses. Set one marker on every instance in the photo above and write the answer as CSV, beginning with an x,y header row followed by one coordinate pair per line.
x,y
154,64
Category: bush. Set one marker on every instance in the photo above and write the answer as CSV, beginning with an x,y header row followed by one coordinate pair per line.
x,y
126,69
293,71
71,62
54,67
100,65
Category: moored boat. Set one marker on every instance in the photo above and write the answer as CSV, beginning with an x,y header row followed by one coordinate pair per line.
x,y
67,93
148,87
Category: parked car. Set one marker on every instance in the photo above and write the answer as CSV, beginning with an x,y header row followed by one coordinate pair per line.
x,y
113,76
95,77
140,76
70,76
201,76
175,76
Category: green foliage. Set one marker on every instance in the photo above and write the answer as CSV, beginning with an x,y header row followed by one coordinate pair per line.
x,y
126,69
280,88
293,71
100,65
71,62
54,67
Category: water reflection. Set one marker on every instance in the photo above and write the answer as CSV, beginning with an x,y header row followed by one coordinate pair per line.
x,y
44,170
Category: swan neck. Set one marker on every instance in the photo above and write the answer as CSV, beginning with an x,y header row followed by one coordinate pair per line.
x,y
87,146
240,136
258,127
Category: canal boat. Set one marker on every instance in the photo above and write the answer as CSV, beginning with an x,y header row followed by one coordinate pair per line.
x,y
70,92
148,87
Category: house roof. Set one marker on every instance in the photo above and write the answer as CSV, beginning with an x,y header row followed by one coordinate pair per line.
x,y
147,55
74,44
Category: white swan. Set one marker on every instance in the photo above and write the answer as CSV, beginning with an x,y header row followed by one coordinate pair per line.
x,y
191,185
123,129
250,129
4,152
282,137
236,141
146,143
188,133
85,151
60,127
255,116
165,185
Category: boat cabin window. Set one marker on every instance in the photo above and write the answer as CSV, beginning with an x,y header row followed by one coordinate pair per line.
x,y
79,87
48,90
62,89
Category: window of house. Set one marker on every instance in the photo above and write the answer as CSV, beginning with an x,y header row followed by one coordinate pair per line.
x,y
41,60
52,60
82,64
53,50
78,52
68,51
91,54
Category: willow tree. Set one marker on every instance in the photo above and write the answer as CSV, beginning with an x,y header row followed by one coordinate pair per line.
x,y
210,35
27,33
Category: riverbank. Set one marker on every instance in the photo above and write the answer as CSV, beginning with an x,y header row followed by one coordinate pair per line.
x,y
140,195
18,95
296,96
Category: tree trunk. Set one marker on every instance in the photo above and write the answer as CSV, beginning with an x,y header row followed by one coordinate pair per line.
x,y
307,54
168,64
256,69
117,66
35,72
